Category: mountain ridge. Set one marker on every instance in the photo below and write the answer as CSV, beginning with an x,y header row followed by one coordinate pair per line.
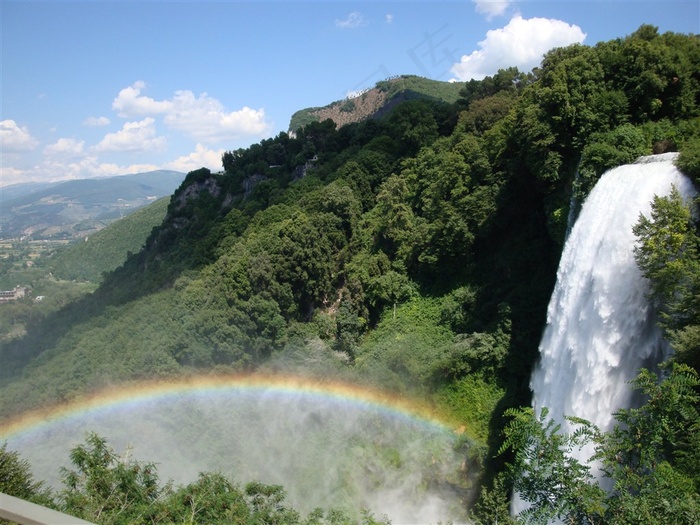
x,y
70,209
378,101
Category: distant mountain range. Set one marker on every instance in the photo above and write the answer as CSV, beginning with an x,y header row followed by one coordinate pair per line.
x,y
75,208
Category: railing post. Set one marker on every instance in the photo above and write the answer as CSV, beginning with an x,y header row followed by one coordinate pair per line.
x,y
26,513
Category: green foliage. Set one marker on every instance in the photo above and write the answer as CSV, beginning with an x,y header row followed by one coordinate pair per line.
x,y
546,476
507,81
472,399
302,118
104,251
413,125
606,150
406,347
348,106
493,505
108,488
431,89
657,73
667,254
651,456
416,251
16,478
661,432
689,159
484,113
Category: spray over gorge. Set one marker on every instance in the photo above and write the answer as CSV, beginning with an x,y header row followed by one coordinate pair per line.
x,y
331,445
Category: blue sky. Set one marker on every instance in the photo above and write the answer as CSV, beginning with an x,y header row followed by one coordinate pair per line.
x,y
96,88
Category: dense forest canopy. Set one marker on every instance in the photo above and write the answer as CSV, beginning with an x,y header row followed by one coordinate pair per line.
x,y
442,222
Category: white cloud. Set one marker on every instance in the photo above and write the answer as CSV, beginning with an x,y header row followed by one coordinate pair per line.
x,y
139,136
55,170
202,117
521,43
491,8
201,157
95,122
9,175
65,147
15,138
130,103
389,18
205,119
352,21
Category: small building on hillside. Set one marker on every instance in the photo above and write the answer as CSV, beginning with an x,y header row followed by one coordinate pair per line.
x,y
12,295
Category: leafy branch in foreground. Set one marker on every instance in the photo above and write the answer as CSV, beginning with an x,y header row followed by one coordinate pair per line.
x,y
108,488
652,458
545,474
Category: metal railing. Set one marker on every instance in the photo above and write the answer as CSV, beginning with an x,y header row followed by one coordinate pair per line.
x,y
26,513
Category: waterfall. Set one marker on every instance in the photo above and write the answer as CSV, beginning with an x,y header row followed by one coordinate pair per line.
x,y
600,326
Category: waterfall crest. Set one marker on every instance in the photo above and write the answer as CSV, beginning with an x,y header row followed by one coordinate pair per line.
x,y
600,327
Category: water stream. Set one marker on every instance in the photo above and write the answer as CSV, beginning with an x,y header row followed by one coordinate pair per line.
x,y
601,328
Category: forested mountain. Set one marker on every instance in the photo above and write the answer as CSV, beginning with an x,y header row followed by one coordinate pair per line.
x,y
378,101
415,251
107,249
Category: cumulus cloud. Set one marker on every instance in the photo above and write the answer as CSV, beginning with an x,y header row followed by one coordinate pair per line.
x,y
130,103
389,18
65,147
14,138
55,169
521,43
95,122
352,21
205,119
491,8
10,175
138,136
202,117
201,157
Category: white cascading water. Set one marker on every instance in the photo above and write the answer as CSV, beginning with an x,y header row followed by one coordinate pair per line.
x,y
601,328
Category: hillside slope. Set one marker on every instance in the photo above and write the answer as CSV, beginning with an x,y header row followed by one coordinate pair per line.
x,y
415,253
379,100
107,249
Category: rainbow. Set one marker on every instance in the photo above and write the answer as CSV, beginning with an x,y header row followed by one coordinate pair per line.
x,y
327,442
138,393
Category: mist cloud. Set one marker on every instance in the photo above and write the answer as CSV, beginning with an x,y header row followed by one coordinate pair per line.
x,y
326,453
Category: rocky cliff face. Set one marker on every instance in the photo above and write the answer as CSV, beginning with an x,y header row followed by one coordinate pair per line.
x,y
354,109
377,101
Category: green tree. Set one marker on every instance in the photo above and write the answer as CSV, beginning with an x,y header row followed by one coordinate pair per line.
x,y
413,125
303,257
546,476
212,499
653,453
689,159
651,456
16,478
108,488
667,252
607,150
